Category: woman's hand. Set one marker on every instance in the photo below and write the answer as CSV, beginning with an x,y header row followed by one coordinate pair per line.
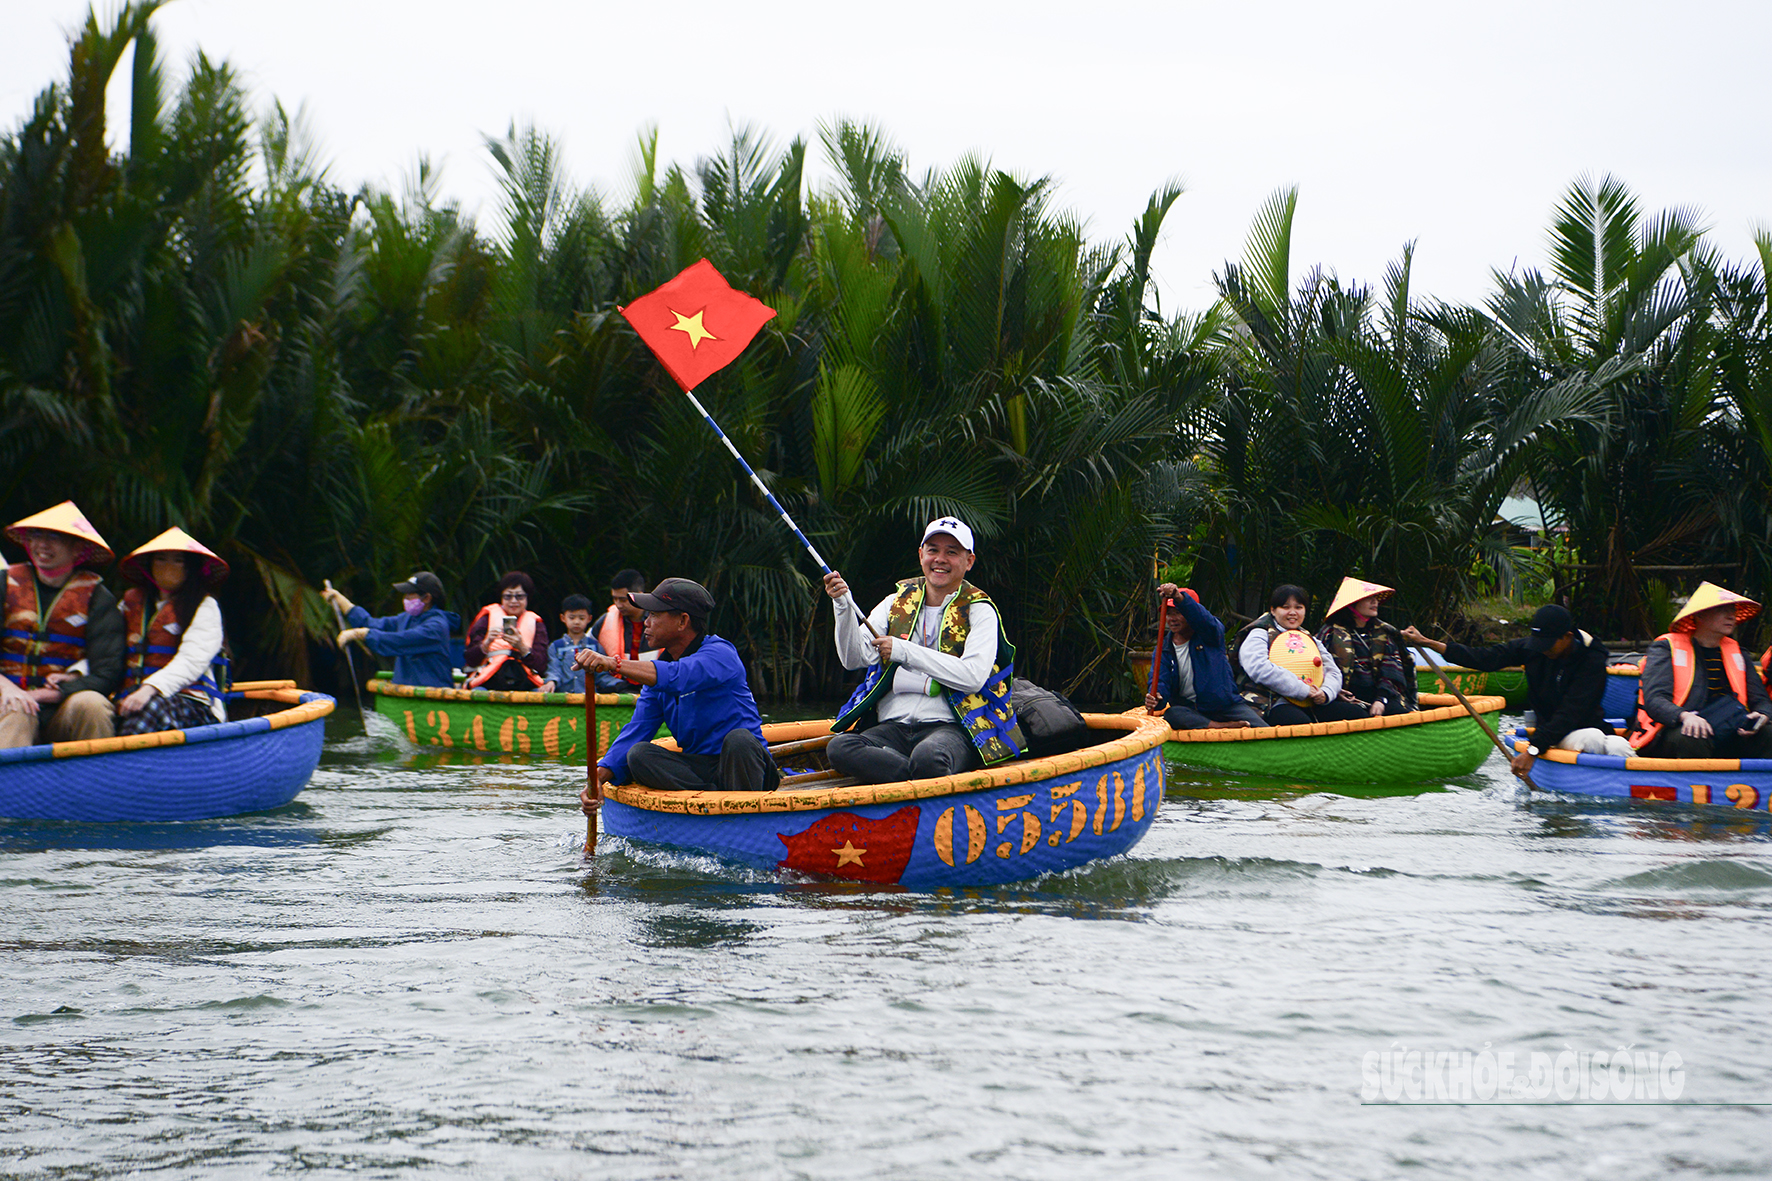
x,y
351,635
138,701
337,600
1377,709
1317,697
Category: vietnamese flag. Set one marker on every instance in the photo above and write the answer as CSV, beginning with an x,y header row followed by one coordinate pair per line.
x,y
696,324
844,845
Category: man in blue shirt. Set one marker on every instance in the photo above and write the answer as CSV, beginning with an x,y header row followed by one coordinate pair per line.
x,y
417,638
699,690
1199,693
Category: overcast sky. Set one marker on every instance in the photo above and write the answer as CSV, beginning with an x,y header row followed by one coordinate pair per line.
x,y
1457,125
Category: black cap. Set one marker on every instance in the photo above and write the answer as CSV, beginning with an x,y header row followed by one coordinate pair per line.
x,y
1549,625
422,583
676,594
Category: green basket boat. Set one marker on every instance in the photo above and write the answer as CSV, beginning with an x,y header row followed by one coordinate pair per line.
x,y
1440,741
497,722
1508,683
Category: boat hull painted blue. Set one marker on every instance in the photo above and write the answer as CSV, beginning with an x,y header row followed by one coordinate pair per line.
x,y
221,770
968,838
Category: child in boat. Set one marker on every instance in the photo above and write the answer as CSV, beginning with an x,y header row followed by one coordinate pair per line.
x,y
1272,689
1195,687
174,636
563,675
417,638
1377,671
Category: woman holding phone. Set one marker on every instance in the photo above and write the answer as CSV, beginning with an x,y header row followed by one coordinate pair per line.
x,y
507,642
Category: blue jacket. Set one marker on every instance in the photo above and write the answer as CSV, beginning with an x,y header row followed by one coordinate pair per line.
x,y
1214,686
568,679
419,644
702,696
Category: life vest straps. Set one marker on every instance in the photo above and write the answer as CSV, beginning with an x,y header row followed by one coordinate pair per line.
x,y
495,624
36,640
1685,662
152,644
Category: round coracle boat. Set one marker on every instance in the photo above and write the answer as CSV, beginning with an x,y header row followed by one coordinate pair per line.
x,y
1441,740
1005,823
1508,683
499,722
196,774
1621,690
1725,783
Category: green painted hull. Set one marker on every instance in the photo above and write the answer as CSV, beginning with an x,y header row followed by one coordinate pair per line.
x,y
1509,683
516,725
1445,744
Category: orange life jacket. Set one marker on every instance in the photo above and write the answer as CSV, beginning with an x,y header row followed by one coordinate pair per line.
x,y
613,635
1685,668
495,625
31,648
152,643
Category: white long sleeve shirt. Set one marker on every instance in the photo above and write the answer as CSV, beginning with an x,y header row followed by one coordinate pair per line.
x,y
1272,677
920,666
197,649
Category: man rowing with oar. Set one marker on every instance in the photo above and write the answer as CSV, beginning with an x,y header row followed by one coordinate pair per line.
x,y
699,690
939,670
1565,682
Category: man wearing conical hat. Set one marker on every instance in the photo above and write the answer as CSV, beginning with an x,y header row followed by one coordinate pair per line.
x,y
1565,683
61,649
1697,697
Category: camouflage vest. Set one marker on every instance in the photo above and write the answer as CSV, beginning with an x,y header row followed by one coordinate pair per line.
x,y
987,715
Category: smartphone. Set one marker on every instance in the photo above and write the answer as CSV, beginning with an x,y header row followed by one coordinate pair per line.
x,y
510,626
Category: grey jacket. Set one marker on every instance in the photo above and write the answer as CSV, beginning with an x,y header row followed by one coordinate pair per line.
x,y
1658,687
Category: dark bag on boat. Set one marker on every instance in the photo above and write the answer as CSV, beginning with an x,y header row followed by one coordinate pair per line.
x,y
1049,722
1726,715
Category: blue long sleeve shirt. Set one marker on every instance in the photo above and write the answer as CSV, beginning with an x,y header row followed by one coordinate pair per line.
x,y
702,696
419,644
1214,686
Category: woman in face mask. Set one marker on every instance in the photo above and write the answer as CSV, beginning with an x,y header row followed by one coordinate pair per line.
x,y
418,638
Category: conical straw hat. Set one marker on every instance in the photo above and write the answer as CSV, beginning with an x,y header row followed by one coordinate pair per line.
x,y
1353,590
64,518
174,541
1709,595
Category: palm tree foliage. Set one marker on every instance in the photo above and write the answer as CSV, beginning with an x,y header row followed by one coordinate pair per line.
x,y
202,328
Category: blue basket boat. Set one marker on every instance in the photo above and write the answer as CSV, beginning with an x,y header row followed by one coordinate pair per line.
x,y
1620,700
195,774
1006,823
1727,783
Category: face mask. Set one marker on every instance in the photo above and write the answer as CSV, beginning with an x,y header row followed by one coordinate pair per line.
x,y
413,605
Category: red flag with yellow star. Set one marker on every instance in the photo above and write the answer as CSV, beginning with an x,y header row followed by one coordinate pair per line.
x,y
696,324
846,845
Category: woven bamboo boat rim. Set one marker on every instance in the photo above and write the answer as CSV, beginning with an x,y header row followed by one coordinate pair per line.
x,y
1142,735
1441,713
1624,670
300,713
1569,758
501,696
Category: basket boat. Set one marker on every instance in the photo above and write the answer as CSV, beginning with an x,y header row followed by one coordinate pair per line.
x,y
1006,823
1728,783
1508,683
196,774
1438,741
499,722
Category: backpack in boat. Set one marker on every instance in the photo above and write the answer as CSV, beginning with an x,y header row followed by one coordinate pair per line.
x,y
1048,720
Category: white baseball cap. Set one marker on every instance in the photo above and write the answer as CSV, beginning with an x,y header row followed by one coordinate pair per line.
x,y
953,527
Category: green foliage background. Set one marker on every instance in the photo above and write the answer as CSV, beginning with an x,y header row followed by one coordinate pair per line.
x,y
204,330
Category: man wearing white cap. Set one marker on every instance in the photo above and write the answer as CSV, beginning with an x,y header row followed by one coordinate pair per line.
x,y
938,671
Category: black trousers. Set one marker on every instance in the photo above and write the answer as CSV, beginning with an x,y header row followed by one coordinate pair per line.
x,y
894,751
1336,709
743,764
1671,744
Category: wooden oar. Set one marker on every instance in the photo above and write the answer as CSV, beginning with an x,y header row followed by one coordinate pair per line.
x,y
1452,688
591,753
800,746
349,663
1157,649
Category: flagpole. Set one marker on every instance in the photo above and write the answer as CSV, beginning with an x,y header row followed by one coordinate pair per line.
x,y
773,503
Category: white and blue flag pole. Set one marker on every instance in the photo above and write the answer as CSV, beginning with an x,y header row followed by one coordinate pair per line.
x,y
773,503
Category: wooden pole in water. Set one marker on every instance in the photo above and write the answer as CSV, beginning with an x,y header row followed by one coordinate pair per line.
x,y
350,664
1469,709
591,753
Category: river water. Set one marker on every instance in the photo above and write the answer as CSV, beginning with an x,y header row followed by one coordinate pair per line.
x,y
411,972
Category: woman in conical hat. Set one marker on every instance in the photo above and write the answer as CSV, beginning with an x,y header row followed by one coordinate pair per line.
x,y
1285,672
174,671
1377,671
